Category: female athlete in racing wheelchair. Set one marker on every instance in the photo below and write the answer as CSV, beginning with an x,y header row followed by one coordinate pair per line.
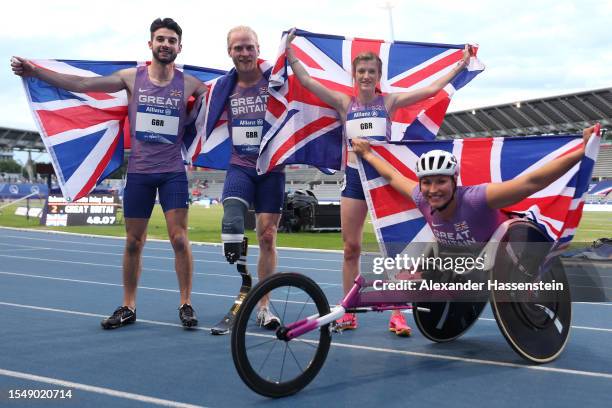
x,y
535,323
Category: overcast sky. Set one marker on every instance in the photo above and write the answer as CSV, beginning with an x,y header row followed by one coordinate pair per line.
x,y
530,48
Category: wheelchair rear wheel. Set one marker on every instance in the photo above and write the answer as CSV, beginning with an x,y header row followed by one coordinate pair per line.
x,y
536,323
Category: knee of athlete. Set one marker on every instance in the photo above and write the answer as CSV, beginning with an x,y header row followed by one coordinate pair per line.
x,y
134,245
267,238
179,242
352,250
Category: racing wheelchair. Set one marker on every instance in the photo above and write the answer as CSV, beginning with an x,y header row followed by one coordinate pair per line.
x,y
535,323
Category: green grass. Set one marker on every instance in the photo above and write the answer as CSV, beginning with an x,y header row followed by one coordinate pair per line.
x,y
594,225
205,226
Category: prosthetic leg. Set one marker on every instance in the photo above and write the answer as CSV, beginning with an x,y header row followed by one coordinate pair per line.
x,y
235,246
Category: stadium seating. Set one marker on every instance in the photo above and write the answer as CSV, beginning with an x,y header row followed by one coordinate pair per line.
x,y
603,165
326,187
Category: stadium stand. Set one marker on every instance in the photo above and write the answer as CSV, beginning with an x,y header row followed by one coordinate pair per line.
x,y
567,113
603,165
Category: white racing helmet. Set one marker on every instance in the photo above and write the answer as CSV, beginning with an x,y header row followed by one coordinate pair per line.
x,y
436,163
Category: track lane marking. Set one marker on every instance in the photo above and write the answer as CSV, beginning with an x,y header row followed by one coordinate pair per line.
x,y
601,329
363,348
95,389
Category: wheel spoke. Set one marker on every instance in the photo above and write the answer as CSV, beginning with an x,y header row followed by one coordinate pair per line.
x,y
286,301
309,343
268,368
295,358
283,363
302,310
275,310
261,344
268,356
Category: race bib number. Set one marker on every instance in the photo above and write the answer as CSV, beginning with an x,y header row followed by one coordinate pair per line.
x,y
369,124
246,135
157,124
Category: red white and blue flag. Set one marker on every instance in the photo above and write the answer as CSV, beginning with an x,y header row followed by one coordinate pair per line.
x,y
603,188
213,147
84,132
557,209
301,129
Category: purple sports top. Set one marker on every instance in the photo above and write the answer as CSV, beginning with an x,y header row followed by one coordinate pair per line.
x,y
473,222
246,111
157,117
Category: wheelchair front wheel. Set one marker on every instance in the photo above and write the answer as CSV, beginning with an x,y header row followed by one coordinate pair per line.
x,y
267,363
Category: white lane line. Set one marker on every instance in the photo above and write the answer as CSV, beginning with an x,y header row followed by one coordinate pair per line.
x,y
585,276
488,319
236,276
592,328
25,275
17,249
601,329
202,244
81,243
605,288
479,361
97,390
364,348
594,303
156,257
109,284
155,269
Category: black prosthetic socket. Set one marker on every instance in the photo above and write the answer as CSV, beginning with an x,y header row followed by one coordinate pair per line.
x,y
232,229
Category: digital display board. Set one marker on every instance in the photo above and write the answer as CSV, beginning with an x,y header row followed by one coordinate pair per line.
x,y
95,209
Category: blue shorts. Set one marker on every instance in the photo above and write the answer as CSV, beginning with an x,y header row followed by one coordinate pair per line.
x,y
141,189
265,192
351,187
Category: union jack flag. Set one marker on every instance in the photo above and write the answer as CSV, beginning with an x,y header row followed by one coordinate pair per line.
x,y
213,147
85,133
557,209
301,129
603,188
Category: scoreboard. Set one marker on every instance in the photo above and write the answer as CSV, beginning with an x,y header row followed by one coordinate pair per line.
x,y
95,209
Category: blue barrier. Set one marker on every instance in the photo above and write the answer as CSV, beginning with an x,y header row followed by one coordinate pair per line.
x,y
13,191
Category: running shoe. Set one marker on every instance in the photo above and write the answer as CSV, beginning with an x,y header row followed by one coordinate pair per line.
x,y
121,316
267,319
398,325
224,326
347,322
188,316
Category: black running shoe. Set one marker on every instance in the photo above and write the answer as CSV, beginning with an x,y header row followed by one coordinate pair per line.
x,y
224,326
120,317
188,316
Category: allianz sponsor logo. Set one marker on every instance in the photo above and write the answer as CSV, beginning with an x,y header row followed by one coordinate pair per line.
x,y
159,111
367,114
250,122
